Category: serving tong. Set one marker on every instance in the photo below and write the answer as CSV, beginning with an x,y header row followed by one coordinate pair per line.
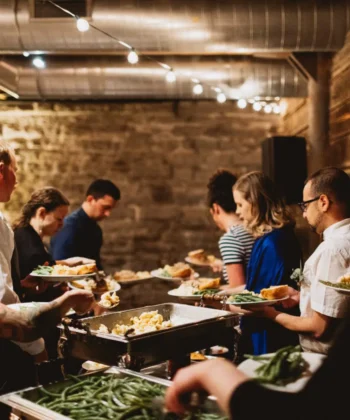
x,y
192,401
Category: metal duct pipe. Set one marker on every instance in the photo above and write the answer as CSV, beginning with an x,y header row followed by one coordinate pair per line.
x,y
8,79
112,77
179,26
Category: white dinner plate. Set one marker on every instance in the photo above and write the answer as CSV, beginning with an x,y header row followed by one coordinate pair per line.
x,y
157,273
313,359
174,293
61,278
131,281
114,289
262,303
338,289
91,366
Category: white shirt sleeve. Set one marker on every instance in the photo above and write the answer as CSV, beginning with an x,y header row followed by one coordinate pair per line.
x,y
332,263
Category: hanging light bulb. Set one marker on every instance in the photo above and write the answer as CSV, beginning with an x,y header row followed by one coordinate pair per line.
x,y
133,58
242,103
276,109
221,98
257,107
268,109
170,76
26,53
39,63
198,89
82,25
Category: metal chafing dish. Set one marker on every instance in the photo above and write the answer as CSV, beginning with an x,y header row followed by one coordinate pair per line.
x,y
194,328
24,406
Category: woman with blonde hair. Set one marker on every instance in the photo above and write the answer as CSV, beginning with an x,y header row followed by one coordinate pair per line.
x,y
275,254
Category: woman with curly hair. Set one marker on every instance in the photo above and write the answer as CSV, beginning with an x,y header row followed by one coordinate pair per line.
x,y
275,254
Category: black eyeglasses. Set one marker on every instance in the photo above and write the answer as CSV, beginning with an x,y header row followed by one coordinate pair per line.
x,y
303,205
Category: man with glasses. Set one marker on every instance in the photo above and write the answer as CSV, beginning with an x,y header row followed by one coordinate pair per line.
x,y
81,236
326,207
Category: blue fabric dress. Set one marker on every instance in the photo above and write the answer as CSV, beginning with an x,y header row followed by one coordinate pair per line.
x,y
274,256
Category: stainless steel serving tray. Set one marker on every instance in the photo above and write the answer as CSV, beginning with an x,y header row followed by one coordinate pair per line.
x,y
194,328
23,403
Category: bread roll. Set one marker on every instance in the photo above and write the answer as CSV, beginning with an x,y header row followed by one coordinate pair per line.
x,y
274,292
209,283
197,253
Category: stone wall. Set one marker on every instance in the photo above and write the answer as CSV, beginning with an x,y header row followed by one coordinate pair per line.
x,y
159,154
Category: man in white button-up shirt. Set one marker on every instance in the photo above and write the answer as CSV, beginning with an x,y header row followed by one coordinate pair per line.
x,y
326,207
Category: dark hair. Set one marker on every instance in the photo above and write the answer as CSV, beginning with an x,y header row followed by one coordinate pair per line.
x,y
50,198
220,190
333,182
5,153
102,187
268,207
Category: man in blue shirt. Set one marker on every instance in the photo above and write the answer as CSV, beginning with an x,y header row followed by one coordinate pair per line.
x,y
81,236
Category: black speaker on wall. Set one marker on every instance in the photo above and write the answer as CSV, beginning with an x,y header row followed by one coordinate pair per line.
x,y
284,160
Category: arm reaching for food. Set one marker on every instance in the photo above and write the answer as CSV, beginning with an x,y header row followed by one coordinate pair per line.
x,y
218,377
30,325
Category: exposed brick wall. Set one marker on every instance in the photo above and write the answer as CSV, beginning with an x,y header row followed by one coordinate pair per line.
x,y
295,122
159,154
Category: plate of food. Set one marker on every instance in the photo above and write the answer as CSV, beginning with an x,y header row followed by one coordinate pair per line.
x,y
196,289
286,370
266,297
109,300
197,356
62,273
104,285
129,276
341,285
200,257
178,271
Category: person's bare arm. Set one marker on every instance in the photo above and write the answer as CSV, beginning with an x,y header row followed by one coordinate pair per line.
x,y
219,378
316,324
236,275
28,325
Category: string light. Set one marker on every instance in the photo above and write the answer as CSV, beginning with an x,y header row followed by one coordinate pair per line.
x,y
82,25
198,89
39,63
133,58
221,98
257,107
242,103
170,76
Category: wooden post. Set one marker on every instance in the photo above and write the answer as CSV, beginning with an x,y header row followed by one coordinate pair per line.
x,y
319,103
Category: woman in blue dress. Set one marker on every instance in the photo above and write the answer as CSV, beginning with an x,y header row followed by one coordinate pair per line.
x,y
275,254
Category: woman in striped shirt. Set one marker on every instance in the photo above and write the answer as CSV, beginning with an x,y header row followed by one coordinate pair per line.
x,y
236,243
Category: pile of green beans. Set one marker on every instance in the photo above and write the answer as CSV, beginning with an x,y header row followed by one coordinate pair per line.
x,y
207,292
345,286
245,298
285,366
107,397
